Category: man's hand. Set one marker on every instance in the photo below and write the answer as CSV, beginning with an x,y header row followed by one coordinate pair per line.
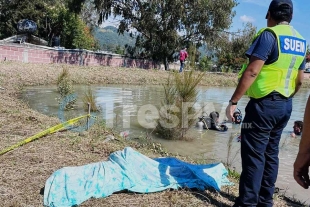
x,y
301,169
230,109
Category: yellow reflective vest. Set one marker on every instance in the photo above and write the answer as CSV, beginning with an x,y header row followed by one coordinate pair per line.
x,y
280,76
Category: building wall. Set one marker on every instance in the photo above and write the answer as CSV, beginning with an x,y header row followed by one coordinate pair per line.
x,y
29,53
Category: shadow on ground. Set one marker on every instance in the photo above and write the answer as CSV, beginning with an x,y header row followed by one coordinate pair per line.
x,y
225,199
212,197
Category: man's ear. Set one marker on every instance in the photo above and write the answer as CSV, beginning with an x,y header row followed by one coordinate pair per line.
x,y
268,15
291,17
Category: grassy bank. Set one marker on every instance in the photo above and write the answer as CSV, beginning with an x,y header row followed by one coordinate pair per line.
x,y
25,170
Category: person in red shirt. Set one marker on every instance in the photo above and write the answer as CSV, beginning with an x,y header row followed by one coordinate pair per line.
x,y
183,56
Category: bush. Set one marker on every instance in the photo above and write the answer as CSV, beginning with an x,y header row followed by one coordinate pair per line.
x,y
174,121
64,87
204,64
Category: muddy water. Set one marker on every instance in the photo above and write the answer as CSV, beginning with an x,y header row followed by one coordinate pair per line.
x,y
133,108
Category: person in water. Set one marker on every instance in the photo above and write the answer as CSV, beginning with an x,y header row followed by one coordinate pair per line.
x,y
212,122
297,128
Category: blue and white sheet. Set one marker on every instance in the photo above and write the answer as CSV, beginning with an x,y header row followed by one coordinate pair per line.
x,y
129,170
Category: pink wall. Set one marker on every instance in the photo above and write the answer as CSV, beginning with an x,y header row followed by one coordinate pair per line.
x,y
39,54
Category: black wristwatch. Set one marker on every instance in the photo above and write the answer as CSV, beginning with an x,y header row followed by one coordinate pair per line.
x,y
233,103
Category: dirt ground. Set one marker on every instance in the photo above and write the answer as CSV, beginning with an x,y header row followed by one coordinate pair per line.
x,y
24,170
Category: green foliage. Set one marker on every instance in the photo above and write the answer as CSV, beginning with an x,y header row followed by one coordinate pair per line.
x,y
13,11
230,63
119,50
64,84
83,37
73,31
204,64
64,87
197,63
177,112
75,6
231,49
164,26
53,18
233,174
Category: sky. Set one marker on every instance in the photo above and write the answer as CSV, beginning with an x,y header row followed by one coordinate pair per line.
x,y
254,11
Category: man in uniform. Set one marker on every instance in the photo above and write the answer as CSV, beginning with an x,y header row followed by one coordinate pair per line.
x,y
272,77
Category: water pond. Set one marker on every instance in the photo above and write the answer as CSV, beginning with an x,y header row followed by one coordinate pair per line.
x,y
133,108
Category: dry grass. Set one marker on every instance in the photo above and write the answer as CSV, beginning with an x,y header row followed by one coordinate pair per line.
x,y
27,75
25,170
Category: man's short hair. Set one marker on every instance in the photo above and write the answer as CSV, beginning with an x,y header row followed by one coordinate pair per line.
x,y
299,124
281,10
214,114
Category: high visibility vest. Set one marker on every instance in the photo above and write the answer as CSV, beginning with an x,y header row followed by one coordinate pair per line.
x,y
280,76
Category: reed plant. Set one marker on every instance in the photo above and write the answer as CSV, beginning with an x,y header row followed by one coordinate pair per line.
x,y
89,98
65,87
177,114
231,155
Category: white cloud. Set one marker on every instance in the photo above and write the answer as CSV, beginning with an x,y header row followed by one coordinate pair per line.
x,y
264,3
245,18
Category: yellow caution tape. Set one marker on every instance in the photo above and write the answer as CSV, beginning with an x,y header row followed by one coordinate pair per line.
x,y
43,133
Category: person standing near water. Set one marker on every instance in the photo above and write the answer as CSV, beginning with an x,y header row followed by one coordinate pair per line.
x,y
302,162
182,57
272,77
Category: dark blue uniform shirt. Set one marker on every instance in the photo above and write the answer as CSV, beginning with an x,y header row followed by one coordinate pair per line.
x,y
265,47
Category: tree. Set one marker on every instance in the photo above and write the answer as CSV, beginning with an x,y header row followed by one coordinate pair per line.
x,y
177,114
119,50
231,49
73,31
88,14
53,18
13,11
162,27
204,64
